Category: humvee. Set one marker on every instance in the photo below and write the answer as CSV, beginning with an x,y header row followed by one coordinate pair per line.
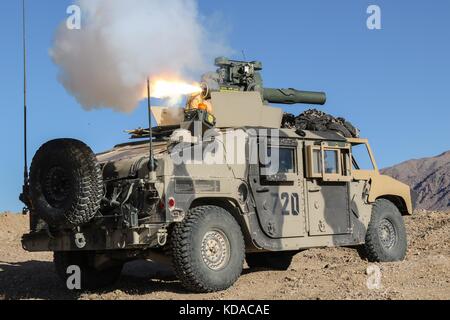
x,y
218,183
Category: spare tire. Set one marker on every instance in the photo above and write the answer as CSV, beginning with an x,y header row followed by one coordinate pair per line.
x,y
66,184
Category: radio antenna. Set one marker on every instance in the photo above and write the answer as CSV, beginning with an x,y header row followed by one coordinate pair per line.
x,y
151,163
243,55
24,43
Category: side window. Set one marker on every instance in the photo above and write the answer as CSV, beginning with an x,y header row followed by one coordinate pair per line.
x,y
316,162
280,161
286,161
331,161
346,162
361,158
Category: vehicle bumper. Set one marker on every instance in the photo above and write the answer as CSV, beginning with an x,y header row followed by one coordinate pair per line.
x,y
148,236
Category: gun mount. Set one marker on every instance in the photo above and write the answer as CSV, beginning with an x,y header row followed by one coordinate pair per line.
x,y
235,88
242,76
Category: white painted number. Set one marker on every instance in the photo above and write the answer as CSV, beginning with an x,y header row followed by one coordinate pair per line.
x,y
74,20
374,20
74,279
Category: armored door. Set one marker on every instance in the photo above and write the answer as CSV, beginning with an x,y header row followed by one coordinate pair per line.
x,y
328,188
278,192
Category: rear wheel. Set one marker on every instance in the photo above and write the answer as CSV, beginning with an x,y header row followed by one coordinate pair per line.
x,y
66,184
92,278
270,260
386,235
208,250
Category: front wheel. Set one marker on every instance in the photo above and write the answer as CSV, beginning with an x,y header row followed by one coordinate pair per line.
x,y
386,234
208,250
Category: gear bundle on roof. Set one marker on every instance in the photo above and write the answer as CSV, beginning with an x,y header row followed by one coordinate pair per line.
x,y
315,120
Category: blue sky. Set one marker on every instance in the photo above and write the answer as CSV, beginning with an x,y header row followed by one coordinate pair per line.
x,y
393,83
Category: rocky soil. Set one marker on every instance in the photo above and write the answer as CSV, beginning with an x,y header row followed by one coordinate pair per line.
x,y
336,273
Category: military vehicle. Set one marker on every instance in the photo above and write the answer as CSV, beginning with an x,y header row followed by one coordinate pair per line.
x,y
218,183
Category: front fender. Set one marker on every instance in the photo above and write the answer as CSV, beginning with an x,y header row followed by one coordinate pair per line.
x,y
385,186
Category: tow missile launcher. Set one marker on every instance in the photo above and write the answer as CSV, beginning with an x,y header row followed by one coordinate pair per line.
x,y
244,76
234,76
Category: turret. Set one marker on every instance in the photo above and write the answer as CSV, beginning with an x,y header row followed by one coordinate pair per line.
x,y
241,76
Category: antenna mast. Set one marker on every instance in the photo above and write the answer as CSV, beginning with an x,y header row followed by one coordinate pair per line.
x,y
24,43
243,55
151,163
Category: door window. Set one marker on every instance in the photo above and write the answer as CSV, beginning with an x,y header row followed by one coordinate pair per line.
x,y
331,161
281,165
316,162
286,164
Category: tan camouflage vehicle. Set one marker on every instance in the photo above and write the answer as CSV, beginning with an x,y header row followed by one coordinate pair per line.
x,y
220,183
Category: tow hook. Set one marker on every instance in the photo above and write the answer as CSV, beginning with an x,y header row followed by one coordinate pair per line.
x,y
162,237
80,240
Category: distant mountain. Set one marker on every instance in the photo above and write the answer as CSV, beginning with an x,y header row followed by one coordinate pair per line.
x,y
429,177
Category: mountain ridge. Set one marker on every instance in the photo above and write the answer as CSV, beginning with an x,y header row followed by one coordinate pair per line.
x,y
428,177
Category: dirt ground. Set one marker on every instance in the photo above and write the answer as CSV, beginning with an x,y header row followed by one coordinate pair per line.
x,y
336,273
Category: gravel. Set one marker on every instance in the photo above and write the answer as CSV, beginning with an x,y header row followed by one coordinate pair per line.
x,y
330,273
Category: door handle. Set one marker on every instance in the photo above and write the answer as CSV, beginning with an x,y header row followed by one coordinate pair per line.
x,y
262,190
315,189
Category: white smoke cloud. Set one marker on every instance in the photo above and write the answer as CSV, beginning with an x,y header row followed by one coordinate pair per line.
x,y
121,43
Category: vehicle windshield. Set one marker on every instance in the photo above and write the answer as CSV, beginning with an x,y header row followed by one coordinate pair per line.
x,y
361,159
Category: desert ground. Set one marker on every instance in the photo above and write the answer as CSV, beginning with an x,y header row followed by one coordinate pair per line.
x,y
331,273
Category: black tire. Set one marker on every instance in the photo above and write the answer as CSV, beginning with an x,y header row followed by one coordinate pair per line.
x,y
386,239
208,228
66,184
270,260
91,278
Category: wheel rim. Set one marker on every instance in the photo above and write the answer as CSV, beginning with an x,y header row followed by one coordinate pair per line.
x,y
215,250
387,234
56,187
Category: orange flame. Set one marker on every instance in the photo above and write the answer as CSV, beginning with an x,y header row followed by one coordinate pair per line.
x,y
167,89
171,90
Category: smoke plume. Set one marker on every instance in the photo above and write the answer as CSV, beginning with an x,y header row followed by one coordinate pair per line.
x,y
121,43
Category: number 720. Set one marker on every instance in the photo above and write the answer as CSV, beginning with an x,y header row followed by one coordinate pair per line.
x,y
290,203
